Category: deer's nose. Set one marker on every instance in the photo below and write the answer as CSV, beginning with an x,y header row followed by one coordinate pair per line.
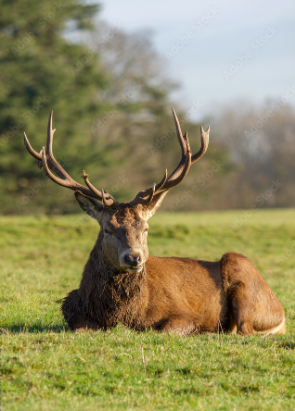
x,y
132,261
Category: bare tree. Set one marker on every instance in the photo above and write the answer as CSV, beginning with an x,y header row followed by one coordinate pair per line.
x,y
261,145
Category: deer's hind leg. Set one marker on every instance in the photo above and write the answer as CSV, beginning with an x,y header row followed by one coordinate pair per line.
x,y
241,310
73,311
253,307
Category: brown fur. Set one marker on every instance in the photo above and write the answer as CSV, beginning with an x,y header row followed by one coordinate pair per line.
x,y
180,295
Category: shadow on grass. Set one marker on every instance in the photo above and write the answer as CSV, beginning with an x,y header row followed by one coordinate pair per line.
x,y
33,329
288,345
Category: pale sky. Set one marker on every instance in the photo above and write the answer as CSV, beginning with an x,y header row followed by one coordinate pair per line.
x,y
221,52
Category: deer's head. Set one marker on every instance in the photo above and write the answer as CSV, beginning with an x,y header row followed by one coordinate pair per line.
x,y
124,226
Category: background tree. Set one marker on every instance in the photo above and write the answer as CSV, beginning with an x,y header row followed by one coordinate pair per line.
x,y
37,73
260,141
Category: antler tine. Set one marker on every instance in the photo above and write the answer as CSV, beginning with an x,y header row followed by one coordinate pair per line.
x,y
180,172
106,198
162,182
204,144
180,136
92,188
48,161
150,197
185,162
103,200
64,182
50,134
140,200
60,181
53,164
183,167
37,156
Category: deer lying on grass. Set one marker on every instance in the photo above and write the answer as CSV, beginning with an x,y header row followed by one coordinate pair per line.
x,y
121,283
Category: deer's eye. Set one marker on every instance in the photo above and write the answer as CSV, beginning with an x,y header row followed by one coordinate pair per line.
x,y
145,232
107,231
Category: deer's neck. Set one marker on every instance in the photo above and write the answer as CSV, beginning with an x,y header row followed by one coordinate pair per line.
x,y
113,295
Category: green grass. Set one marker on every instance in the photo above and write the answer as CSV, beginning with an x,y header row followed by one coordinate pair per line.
x,y
46,367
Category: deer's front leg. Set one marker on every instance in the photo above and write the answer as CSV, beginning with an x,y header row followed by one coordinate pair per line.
x,y
74,315
178,324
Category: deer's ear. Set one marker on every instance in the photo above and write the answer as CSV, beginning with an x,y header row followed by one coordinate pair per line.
x,y
150,209
89,205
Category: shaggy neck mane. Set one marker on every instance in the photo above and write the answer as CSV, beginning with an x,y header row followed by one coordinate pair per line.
x,y
117,296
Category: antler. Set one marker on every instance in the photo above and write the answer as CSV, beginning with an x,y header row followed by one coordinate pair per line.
x,y
47,161
146,196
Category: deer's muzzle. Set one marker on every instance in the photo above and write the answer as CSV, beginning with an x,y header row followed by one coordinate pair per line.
x,y
131,260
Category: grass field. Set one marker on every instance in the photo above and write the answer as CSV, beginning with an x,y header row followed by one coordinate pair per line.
x,y
46,367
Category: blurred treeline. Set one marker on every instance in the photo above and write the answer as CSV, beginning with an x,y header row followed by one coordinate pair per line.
x,y
111,98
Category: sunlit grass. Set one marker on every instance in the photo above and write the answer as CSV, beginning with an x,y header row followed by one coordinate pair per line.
x,y
46,367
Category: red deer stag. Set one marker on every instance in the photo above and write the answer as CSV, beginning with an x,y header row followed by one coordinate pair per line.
x,y
121,283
